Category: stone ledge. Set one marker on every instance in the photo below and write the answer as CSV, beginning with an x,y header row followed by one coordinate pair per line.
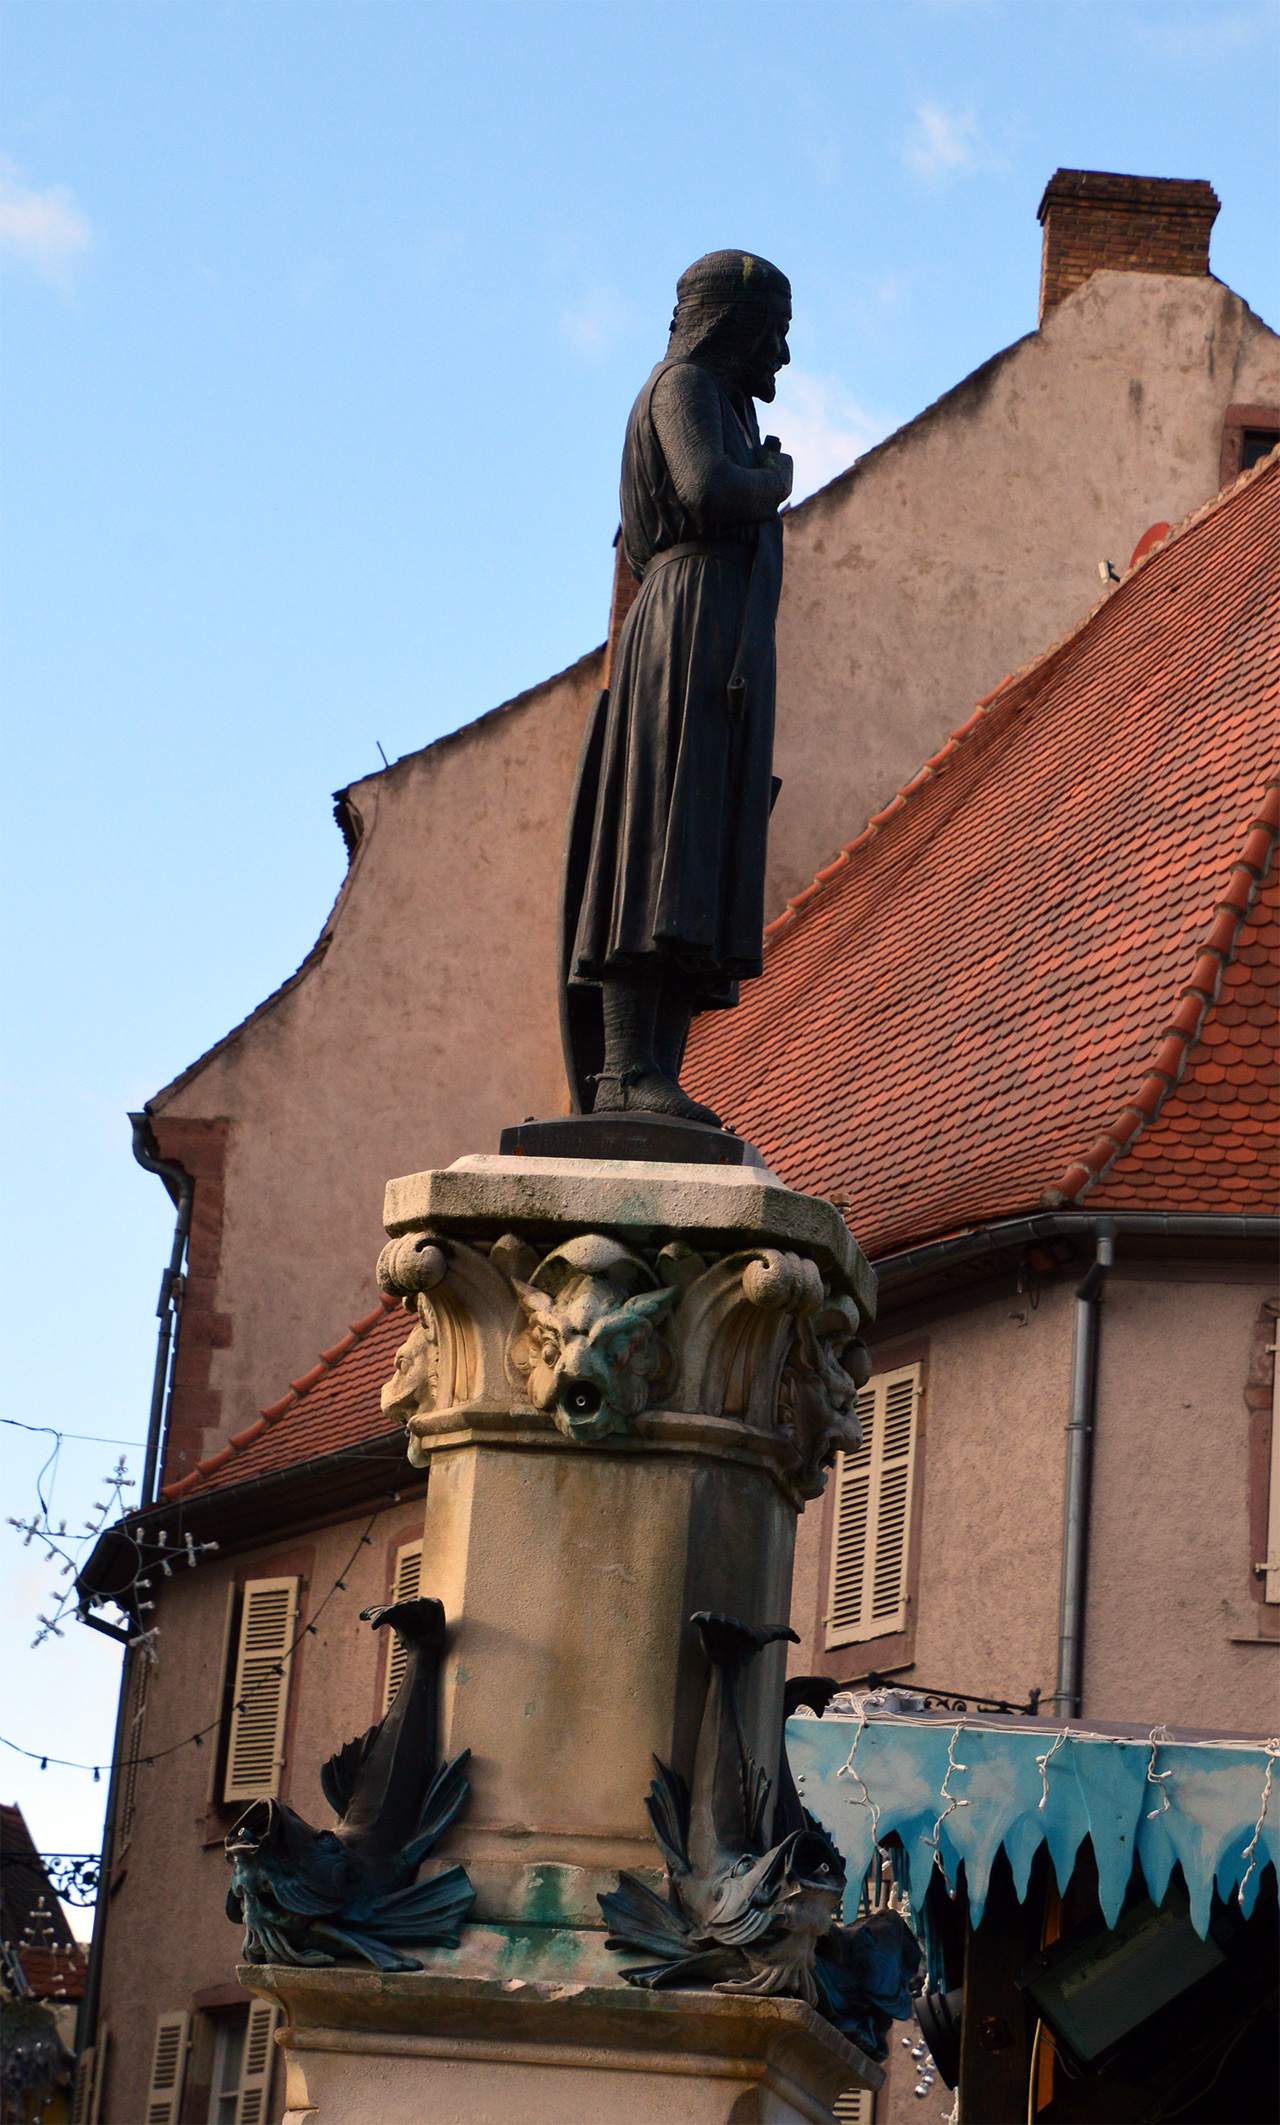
x,y
543,2024
722,1207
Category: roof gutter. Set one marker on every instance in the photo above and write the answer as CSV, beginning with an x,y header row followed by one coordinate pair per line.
x,y
181,1188
893,1270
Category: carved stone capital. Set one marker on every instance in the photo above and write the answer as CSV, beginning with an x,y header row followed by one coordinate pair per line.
x,y
597,1342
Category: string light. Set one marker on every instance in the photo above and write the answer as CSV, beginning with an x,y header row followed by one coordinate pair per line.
x,y
197,1740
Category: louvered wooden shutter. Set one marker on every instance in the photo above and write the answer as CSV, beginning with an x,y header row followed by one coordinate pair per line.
x,y
86,2095
168,2069
857,2106
407,1582
133,1749
225,1679
872,1530
263,1658
259,2058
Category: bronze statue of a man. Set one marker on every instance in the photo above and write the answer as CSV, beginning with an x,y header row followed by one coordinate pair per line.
x,y
663,908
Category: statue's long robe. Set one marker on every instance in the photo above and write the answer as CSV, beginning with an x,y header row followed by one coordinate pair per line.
x,y
677,857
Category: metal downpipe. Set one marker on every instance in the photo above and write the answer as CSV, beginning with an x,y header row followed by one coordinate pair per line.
x,y
179,1184
87,2017
1075,1506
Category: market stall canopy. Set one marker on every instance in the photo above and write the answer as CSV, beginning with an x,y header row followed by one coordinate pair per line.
x,y
960,1788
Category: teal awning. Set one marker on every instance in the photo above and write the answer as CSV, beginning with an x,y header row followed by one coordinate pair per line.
x,y
961,1787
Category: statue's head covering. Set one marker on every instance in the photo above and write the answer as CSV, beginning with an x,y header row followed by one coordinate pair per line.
x,y
726,299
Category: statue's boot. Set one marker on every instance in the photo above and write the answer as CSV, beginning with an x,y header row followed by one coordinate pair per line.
x,y
645,1032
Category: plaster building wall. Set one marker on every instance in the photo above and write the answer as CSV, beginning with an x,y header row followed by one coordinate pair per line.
x,y
169,1941
425,1020
1171,1626
970,541
1173,1630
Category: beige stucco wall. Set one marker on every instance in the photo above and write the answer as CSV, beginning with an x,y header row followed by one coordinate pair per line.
x,y
970,541
1169,1571
959,548
168,1934
429,1023
1169,1568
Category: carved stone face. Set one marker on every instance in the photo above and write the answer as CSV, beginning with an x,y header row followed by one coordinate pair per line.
x,y
592,1354
412,1385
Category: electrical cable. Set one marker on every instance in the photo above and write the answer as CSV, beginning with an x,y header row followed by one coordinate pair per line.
x,y
44,1759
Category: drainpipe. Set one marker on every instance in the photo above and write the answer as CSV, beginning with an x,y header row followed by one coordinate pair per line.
x,y
1075,1508
180,1187
87,2018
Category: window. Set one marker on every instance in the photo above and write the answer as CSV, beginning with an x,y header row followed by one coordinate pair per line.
x,y
228,2059
1248,433
867,1593
1255,444
408,1579
857,2106
243,2057
264,1651
133,1748
168,2069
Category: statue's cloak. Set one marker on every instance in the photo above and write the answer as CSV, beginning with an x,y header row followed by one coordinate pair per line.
x,y
665,854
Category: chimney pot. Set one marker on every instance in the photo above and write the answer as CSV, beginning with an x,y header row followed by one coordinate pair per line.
x,y
1096,219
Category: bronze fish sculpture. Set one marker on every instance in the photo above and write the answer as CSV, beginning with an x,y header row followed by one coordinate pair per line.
x,y
313,1896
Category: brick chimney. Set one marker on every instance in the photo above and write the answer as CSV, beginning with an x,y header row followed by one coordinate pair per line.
x,y
1095,219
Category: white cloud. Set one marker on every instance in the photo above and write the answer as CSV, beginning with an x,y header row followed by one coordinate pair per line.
x,y
595,322
821,425
44,230
940,142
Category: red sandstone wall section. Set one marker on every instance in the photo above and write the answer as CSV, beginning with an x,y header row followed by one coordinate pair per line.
x,y
200,1148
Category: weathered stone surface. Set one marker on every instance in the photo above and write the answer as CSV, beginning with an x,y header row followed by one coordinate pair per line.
x,y
723,1207
375,2048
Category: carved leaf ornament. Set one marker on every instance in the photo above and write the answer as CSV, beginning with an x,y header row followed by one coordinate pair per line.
x,y
594,1334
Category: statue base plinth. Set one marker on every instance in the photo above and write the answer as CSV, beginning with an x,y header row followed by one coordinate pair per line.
x,y
366,2047
662,1137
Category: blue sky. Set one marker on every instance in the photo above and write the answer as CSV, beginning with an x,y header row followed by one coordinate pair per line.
x,y
321,324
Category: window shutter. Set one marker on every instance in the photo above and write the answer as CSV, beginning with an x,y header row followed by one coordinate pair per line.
x,y
263,1659
259,2058
1272,1584
91,2066
168,2069
217,1752
407,1582
872,1527
133,1748
857,2106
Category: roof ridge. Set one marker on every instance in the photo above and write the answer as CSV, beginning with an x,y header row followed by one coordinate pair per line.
x,y
239,1442
1037,670
1196,999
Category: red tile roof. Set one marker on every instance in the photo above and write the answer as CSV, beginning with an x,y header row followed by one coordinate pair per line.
x,y
984,1003
335,1404
987,1006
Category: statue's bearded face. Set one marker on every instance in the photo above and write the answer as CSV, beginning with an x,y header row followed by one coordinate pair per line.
x,y
759,364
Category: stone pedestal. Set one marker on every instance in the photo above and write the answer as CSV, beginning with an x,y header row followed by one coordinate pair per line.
x,y
368,2049
627,1378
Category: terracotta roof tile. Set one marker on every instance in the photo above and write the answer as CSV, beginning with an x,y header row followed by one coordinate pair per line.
x,y
335,1404
988,1002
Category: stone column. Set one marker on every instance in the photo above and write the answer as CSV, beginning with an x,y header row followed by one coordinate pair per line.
x,y
627,1378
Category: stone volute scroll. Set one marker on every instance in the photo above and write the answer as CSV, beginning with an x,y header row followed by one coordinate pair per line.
x,y
593,1335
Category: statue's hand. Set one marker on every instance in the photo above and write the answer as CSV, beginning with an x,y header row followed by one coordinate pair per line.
x,y
774,460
